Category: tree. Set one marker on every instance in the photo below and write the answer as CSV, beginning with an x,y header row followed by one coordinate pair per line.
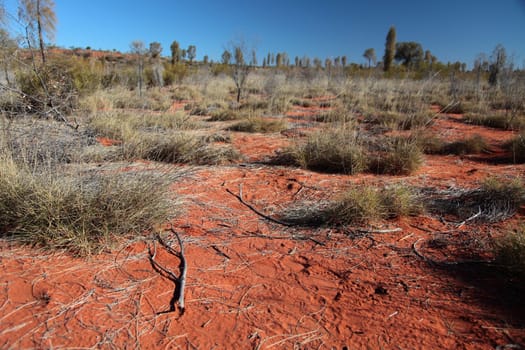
x,y
279,60
226,57
138,49
8,48
498,60
240,69
254,58
155,49
370,55
410,54
191,52
39,16
175,52
390,49
343,61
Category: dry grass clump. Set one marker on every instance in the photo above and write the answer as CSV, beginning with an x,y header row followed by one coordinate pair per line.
x,y
122,98
497,120
473,145
359,205
260,124
510,252
78,212
517,148
431,144
332,151
180,148
495,200
123,125
402,156
223,115
162,137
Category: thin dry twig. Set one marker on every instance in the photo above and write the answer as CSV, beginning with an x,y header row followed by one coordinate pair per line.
x,y
249,206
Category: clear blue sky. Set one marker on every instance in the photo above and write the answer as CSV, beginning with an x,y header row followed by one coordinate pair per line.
x,y
453,30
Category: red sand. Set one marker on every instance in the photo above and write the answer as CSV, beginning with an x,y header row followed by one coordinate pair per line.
x,y
252,284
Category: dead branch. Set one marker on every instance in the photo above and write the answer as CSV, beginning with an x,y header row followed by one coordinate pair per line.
x,y
249,206
444,263
180,282
470,218
362,230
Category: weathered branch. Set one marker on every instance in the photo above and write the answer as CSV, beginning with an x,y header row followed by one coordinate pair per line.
x,y
180,282
249,206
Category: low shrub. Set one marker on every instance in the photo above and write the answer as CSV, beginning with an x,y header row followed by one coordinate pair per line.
x,y
496,120
510,252
359,205
403,156
473,145
259,124
76,212
224,115
516,147
332,151
495,200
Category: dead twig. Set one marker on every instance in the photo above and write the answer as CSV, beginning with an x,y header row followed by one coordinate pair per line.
x,y
470,218
249,206
180,282
362,230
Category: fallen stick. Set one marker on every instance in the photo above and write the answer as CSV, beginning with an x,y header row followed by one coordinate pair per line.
x,y
180,282
362,230
469,219
249,206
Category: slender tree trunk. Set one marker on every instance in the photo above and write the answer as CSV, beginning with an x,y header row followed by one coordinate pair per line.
x,y
40,36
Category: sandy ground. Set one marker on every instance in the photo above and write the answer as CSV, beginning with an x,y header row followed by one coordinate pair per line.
x,y
255,284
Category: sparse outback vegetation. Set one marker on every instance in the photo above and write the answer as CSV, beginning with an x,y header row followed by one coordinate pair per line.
x,y
364,175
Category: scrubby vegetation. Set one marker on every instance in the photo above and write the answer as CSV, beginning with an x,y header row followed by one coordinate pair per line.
x,y
78,211
357,119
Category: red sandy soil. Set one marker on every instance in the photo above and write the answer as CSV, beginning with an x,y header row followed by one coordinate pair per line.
x,y
255,284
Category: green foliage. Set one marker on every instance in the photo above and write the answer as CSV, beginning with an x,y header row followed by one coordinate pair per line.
x,y
390,49
48,89
410,54
499,59
175,73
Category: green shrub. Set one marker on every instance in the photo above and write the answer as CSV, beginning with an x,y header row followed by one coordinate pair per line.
x,y
47,91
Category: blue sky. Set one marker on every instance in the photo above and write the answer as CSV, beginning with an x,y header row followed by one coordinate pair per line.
x,y
453,30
